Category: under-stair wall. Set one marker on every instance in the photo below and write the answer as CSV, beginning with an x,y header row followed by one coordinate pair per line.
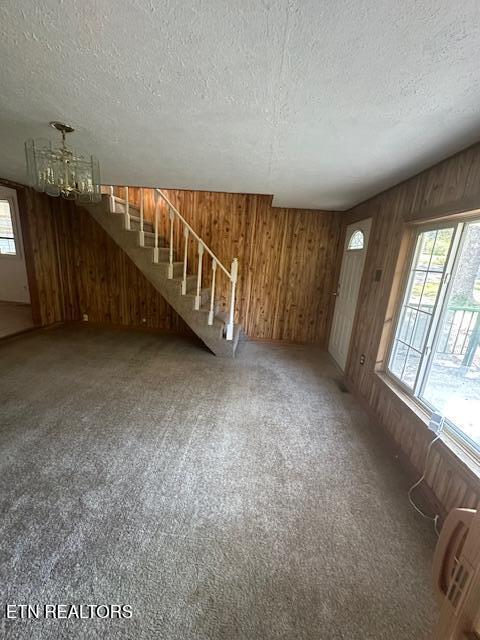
x,y
74,268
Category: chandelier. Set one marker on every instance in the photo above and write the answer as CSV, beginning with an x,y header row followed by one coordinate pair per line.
x,y
62,171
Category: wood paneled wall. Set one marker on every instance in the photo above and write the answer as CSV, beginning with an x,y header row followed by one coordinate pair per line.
x,y
451,187
287,264
287,258
41,256
75,268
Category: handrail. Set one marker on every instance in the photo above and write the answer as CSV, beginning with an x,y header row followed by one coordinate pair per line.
x,y
177,212
187,230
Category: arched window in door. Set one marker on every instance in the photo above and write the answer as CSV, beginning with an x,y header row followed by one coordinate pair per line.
x,y
356,241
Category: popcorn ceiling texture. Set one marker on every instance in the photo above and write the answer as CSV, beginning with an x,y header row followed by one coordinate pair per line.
x,y
222,500
319,103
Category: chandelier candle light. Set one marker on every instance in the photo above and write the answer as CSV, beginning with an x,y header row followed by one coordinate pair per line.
x,y
62,171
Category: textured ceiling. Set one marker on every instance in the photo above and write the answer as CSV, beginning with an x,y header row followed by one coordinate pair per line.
x,y
321,103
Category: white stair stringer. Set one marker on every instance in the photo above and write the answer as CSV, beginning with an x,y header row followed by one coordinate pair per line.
x,y
212,335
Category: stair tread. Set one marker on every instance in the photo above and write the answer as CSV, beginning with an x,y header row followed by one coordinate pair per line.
x,y
175,263
123,201
212,335
148,234
206,309
138,219
193,294
160,262
131,209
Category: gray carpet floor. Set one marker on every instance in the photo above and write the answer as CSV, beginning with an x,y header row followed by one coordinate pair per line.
x,y
220,499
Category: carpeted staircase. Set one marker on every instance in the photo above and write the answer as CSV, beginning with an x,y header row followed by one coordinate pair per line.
x,y
157,260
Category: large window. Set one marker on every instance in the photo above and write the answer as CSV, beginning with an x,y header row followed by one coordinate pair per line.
x,y
7,236
436,350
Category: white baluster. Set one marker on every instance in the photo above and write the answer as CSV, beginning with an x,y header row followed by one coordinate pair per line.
x,y
155,249
198,297
141,234
170,255
127,210
185,258
212,292
233,278
112,201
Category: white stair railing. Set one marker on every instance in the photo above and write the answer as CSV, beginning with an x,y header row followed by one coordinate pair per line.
x,y
198,297
185,261
202,248
211,311
232,275
127,210
170,253
141,233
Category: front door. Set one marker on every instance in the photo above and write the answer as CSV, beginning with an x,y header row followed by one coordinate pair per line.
x,y
355,250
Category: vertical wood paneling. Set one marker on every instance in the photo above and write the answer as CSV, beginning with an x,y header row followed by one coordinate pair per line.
x,y
449,187
287,262
110,288
287,258
43,257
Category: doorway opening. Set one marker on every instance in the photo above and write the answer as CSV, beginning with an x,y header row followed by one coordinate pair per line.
x,y
15,308
353,261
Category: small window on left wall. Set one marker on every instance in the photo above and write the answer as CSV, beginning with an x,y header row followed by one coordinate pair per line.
x,y
7,235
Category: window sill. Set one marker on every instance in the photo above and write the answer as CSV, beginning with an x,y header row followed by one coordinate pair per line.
x,y
407,399
461,451
449,439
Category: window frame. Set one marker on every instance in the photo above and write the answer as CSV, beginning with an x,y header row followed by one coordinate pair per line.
x,y
460,438
17,236
354,232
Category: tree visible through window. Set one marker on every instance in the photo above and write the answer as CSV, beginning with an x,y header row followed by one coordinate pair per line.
x,y
7,237
436,349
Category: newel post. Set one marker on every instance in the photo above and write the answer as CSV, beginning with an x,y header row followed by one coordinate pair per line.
x,y
155,248
127,210
211,312
198,297
141,234
185,259
170,253
233,279
112,200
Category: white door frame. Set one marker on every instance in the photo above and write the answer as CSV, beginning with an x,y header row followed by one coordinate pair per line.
x,y
353,262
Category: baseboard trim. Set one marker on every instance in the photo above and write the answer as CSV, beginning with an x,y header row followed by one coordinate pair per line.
x,y
281,341
29,331
426,493
130,327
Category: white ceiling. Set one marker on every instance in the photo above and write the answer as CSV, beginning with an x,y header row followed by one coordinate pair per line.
x,y
321,103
